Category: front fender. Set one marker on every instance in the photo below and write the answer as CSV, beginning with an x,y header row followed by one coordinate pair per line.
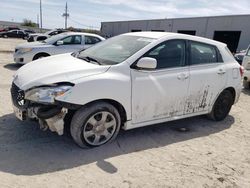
x,y
113,84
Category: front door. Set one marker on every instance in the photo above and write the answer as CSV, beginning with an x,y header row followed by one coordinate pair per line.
x,y
208,76
161,93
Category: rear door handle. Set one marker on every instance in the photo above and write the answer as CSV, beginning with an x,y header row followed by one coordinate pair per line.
x,y
221,71
182,76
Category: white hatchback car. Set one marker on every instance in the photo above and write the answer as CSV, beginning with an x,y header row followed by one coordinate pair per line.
x,y
128,81
58,44
246,65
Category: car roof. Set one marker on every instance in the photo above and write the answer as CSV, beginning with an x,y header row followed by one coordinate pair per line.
x,y
79,33
158,35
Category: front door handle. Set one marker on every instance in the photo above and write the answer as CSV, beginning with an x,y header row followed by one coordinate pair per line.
x,y
221,71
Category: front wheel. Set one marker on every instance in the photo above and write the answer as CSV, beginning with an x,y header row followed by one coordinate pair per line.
x,y
95,124
222,106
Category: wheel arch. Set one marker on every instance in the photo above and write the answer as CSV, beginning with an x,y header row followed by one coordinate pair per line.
x,y
40,54
231,89
116,104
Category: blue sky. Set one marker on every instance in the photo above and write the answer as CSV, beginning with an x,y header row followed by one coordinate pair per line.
x,y
86,13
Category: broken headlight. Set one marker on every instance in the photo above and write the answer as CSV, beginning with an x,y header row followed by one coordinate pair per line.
x,y
46,94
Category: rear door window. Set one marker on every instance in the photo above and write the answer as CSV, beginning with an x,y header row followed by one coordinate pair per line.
x,y
91,40
201,53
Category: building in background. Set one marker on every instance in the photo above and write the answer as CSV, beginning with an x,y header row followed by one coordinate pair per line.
x,y
234,30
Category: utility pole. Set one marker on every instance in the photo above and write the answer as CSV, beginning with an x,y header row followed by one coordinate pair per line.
x,y
41,15
37,20
66,15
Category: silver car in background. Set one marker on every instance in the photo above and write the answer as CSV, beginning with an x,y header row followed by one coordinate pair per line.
x,y
59,44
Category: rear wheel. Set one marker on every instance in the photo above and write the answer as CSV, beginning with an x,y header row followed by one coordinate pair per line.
x,y
95,125
222,106
5,36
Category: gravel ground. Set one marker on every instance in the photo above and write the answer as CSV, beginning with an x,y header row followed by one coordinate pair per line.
x,y
209,154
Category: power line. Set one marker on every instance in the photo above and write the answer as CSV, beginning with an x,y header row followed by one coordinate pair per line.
x,y
89,26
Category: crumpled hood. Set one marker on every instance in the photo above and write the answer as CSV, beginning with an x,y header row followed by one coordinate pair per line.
x,y
30,45
54,69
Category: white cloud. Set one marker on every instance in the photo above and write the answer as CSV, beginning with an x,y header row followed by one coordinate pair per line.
x,y
181,8
92,12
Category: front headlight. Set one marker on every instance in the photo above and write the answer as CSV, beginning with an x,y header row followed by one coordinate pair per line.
x,y
46,94
24,50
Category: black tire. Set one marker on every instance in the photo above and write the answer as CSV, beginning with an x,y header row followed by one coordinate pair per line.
x,y
222,106
40,55
5,36
80,122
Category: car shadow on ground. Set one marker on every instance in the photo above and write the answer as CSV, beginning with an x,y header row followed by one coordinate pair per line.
x,y
12,66
25,150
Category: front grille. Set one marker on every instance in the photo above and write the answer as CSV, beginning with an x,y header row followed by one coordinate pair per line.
x,y
17,96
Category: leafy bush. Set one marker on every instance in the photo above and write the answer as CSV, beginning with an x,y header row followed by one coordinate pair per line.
x,y
28,23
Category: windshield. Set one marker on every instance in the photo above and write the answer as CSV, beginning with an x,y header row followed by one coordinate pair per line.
x,y
115,50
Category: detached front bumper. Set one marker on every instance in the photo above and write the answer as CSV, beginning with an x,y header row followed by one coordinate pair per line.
x,y
49,116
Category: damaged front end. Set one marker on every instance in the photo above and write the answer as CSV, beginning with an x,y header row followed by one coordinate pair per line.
x,y
39,103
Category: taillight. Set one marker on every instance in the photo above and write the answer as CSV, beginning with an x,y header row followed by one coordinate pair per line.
x,y
241,71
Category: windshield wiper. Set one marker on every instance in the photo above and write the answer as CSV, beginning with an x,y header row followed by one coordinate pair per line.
x,y
88,59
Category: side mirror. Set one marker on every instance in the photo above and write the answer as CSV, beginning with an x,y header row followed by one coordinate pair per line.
x,y
147,63
60,42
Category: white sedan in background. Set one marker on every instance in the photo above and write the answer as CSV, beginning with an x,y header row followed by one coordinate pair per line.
x,y
59,44
246,65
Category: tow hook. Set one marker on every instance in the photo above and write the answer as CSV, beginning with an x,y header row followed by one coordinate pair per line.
x,y
55,123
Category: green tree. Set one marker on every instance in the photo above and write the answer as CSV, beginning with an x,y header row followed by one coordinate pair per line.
x,y
28,23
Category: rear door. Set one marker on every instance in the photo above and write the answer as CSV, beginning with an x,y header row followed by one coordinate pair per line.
x,y
20,34
208,76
